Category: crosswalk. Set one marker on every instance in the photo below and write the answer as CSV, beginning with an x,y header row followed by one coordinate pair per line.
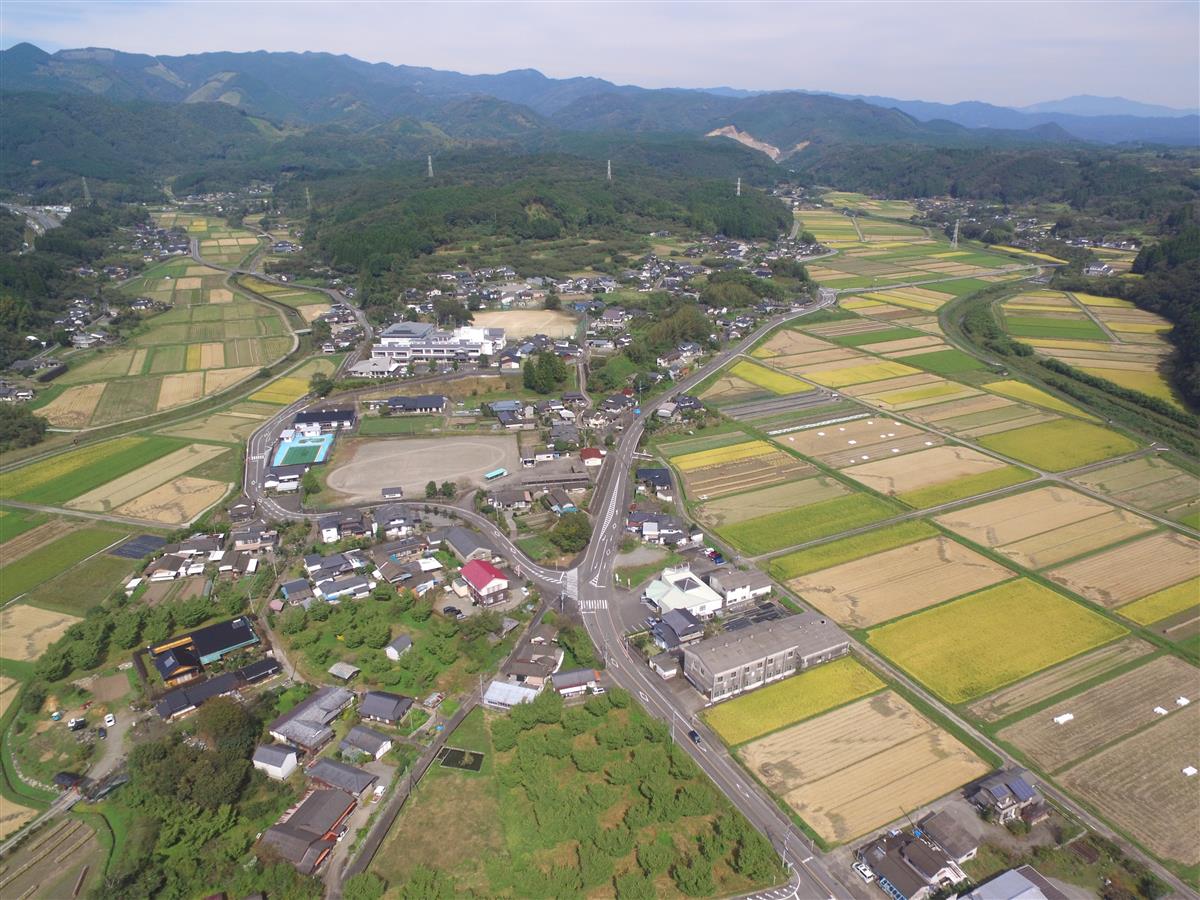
x,y
593,604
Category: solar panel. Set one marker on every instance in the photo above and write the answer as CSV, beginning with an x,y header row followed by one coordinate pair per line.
x,y
138,547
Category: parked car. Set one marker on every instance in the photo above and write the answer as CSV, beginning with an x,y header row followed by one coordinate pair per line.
x,y
863,872
451,611
76,724
110,720
102,732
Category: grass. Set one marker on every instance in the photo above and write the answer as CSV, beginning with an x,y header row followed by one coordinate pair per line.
x,y
1083,329
1060,444
719,455
384,425
971,646
1019,390
796,526
967,486
768,379
946,362
83,586
802,562
17,521
1163,604
632,576
708,439
792,700
537,547
59,478
57,556
875,337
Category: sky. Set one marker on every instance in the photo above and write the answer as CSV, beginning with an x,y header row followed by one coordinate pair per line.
x,y
1011,53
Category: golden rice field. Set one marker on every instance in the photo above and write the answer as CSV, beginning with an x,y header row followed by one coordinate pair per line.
x,y
1164,604
282,391
719,455
775,382
1019,390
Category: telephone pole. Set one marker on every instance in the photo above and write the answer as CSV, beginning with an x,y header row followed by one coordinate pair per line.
x,y
739,186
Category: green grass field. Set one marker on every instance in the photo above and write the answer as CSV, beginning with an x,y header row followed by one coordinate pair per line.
x,y
945,362
969,486
18,521
1045,327
971,646
383,425
1060,444
807,523
57,556
708,439
83,586
59,478
802,562
876,337
792,700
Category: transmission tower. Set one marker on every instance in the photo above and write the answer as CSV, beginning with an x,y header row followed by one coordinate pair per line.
x,y
429,166
609,175
739,186
954,240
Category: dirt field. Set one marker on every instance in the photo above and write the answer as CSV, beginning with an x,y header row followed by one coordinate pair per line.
x,y
1148,482
519,323
121,491
27,631
854,769
729,388
22,544
896,582
311,311
212,356
13,815
1132,570
180,388
219,379
743,474
936,465
412,463
1041,527
788,342
849,442
8,693
73,408
1105,713
1139,785
226,427
175,502
769,500
50,862
220,295
1062,678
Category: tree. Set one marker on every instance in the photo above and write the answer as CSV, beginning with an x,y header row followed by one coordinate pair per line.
x,y
694,877
363,886
427,884
309,483
33,697
376,635
572,532
654,857
595,866
320,384
227,726
448,490
19,427
635,886
755,857
431,490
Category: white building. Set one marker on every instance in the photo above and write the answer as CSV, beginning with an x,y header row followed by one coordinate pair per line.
x,y
678,588
276,760
409,341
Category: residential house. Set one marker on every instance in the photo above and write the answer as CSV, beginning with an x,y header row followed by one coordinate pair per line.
x,y
350,587
276,760
466,545
334,774
404,549
944,829
1022,883
384,706
575,682
182,658
306,725
398,647
679,588
253,537
488,584
738,587
1008,794
306,835
908,868
363,740
374,367
676,628
657,481
395,521
666,664
511,498
591,456
504,695
348,524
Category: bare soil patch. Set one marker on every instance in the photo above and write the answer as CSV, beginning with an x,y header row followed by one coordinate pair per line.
x,y
412,463
73,408
26,543
26,631
122,490
175,502
218,380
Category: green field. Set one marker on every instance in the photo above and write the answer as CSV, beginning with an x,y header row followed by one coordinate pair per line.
x,y
1060,444
807,523
59,478
86,585
875,337
1045,327
709,439
802,562
946,362
969,647
792,700
383,425
18,521
968,486
57,556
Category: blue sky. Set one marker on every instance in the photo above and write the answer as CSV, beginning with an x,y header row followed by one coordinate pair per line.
x,y
1010,52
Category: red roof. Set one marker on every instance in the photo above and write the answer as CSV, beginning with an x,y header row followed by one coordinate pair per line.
x,y
591,453
480,574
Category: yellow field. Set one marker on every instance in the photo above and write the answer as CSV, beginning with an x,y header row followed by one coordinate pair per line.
x,y
1019,390
1140,327
59,466
121,490
1110,302
775,382
1044,257
718,455
28,631
791,700
217,380
1150,383
192,362
859,374
1163,604
282,391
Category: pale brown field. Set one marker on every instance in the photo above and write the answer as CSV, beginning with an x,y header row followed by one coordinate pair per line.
x,y
956,408
26,631
788,342
742,475
1147,482
519,323
794,361
212,356
8,693
1014,698
188,283
122,490
854,769
175,502
182,387
73,408
311,311
916,344
1105,713
12,815
936,465
220,295
217,380
848,442
228,427
729,388
1132,570
781,497
137,361
890,384
1139,785
877,588
24,544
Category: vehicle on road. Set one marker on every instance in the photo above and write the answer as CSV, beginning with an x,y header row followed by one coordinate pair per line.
x,y
110,720
863,872
696,739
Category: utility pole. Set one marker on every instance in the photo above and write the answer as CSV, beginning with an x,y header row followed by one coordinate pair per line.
x,y
739,186
429,166
609,177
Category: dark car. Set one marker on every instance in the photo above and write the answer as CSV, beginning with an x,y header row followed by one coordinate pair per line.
x,y
695,736
102,732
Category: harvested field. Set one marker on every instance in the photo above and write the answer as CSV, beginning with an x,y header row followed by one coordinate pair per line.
x,y
120,491
1045,526
105,364
1058,680
845,443
1132,570
218,380
797,526
28,631
1105,713
835,553
792,700
310,311
891,384
73,408
1149,482
964,649
227,427
212,356
896,582
65,475
1138,784
1165,603
728,389
957,408
787,342
183,387
176,502
411,463
1060,445
29,541
855,769
137,361
710,482
220,295
519,323
12,815
8,693
740,507
932,466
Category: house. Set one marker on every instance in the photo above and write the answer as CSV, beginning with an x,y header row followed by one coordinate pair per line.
x,y
344,671
395,521
334,774
948,833
758,654
1023,883
398,647
559,502
737,587
383,706
591,456
306,725
276,760
241,511
466,545
285,479
374,367
404,549
198,648
297,591
1006,795
307,835
504,695
666,664
424,404
575,682
676,628
908,868
177,665
253,538
535,668
679,588
325,420
657,528
391,493
351,587
511,498
349,524
184,699
361,739
488,584
657,481
542,635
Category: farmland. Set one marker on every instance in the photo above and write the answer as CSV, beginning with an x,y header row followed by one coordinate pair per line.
x,y
896,582
845,443
113,495
1151,483
963,649
778,530
1132,570
792,700
53,557
936,475
775,382
1060,445
854,769
75,472
739,507
835,553
1104,713
741,467
1163,604
28,631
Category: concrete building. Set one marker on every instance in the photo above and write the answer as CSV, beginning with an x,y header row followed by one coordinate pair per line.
x,y
737,587
679,588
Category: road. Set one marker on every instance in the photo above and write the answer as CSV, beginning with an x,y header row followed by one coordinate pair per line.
x,y
39,220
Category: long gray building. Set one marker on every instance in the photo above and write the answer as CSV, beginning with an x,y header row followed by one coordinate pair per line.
x,y
731,663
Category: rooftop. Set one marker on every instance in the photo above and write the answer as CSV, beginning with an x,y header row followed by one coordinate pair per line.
x,y
808,633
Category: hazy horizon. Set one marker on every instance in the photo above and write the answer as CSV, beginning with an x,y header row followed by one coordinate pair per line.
x,y
933,51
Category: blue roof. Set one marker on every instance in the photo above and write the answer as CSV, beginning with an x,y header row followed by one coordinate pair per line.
x,y
1020,788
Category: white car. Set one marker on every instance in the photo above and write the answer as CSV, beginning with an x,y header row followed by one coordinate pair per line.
x,y
863,872
110,720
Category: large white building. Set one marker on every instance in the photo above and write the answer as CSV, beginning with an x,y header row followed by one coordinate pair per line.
x,y
679,588
408,341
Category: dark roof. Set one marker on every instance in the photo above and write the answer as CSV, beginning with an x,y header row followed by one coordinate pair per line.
x,y
339,775
273,754
655,476
257,671
301,839
218,637
175,661
384,705
360,737
190,696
